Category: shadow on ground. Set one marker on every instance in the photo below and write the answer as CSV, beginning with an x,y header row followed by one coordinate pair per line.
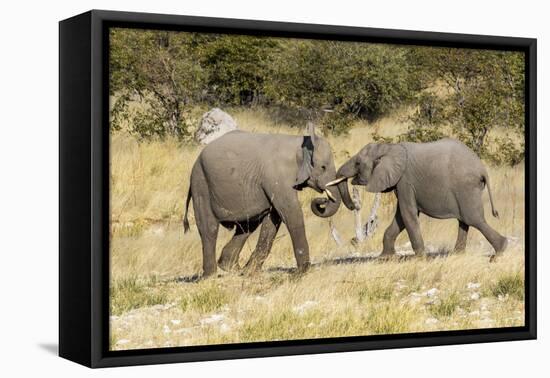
x,y
51,348
345,260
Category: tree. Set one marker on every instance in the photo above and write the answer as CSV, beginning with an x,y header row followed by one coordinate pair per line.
x,y
353,80
479,90
162,70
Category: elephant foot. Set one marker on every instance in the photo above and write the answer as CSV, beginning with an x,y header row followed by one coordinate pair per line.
x,y
458,251
250,269
228,265
421,255
385,256
503,245
208,274
498,251
303,268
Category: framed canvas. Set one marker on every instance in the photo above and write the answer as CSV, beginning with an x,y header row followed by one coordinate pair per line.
x,y
234,188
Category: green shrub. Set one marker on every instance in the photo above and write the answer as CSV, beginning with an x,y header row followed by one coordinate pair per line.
x,y
510,284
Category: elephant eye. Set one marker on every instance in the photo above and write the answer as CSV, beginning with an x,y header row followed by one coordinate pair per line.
x,y
323,167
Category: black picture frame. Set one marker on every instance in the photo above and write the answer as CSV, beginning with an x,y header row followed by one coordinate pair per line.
x,y
84,189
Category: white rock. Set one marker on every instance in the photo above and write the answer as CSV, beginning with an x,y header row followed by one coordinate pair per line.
x,y
166,329
175,321
122,341
473,285
432,321
214,318
214,124
224,328
399,285
432,292
300,309
415,298
475,296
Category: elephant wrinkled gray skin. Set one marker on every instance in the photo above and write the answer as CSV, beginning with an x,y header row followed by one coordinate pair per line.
x,y
442,179
244,180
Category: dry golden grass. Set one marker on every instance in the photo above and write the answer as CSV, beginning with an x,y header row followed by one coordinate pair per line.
x,y
155,302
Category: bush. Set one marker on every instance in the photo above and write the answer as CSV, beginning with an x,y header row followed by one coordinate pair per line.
x,y
477,91
354,80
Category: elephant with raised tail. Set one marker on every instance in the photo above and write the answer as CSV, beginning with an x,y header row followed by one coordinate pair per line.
x,y
442,179
245,180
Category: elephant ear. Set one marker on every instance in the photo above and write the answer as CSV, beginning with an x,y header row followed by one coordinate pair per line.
x,y
306,165
390,161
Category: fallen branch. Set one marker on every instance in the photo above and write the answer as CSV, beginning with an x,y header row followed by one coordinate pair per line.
x,y
360,234
334,233
372,222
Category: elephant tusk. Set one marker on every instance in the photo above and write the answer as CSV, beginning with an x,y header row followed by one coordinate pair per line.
x,y
329,195
334,182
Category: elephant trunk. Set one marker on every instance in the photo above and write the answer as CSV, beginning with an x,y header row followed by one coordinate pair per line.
x,y
344,194
324,208
345,172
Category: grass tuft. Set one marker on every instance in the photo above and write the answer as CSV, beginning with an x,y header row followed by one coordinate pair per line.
x,y
130,293
445,307
509,285
211,298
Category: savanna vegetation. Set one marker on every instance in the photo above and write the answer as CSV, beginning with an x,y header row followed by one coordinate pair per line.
x,y
162,82
460,92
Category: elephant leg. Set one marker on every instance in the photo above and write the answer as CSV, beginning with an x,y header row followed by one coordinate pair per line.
x,y
498,241
391,233
409,214
268,231
207,223
229,258
208,230
291,214
460,245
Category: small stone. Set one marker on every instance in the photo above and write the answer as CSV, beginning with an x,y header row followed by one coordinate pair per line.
x,y
432,321
473,285
214,318
475,296
432,292
300,309
502,298
224,328
175,321
122,341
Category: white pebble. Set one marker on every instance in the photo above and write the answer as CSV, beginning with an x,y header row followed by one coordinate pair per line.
x,y
432,292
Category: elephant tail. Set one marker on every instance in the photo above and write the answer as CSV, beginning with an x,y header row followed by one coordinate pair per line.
x,y
185,218
485,179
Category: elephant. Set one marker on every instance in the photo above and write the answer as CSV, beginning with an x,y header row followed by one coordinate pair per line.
x,y
442,179
243,180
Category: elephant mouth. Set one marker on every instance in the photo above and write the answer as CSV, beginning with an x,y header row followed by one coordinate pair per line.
x,y
358,181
